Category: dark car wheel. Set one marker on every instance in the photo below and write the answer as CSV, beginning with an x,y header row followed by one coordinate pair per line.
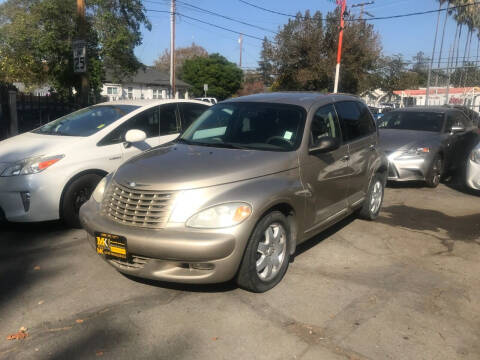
x,y
75,195
435,172
374,199
267,255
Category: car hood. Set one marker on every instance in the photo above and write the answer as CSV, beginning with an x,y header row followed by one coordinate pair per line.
x,y
28,145
181,167
393,140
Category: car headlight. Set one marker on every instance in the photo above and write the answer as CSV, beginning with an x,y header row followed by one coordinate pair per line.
x,y
31,166
475,156
99,191
220,216
414,152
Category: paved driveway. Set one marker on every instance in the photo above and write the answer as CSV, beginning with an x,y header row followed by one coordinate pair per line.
x,y
404,287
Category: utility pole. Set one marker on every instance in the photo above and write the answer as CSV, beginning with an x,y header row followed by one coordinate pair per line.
x,y
361,5
82,32
240,41
343,4
172,48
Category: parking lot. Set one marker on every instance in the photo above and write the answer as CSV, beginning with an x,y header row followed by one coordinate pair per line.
x,y
403,287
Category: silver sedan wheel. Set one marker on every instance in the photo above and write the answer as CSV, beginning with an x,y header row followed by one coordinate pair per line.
x,y
376,198
271,250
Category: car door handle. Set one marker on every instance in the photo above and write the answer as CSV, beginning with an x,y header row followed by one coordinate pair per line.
x,y
115,158
345,158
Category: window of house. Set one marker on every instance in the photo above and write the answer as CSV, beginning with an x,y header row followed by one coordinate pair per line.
x,y
155,94
111,90
130,93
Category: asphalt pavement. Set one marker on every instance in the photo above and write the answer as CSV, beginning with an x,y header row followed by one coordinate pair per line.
x,y
406,286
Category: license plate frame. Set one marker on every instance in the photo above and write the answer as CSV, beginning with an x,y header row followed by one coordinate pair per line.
x,y
111,246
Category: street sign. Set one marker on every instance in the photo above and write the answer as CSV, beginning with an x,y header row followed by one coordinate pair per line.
x,y
79,56
205,87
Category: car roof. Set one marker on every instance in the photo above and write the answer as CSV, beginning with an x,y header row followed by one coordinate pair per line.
x,y
303,99
150,102
433,109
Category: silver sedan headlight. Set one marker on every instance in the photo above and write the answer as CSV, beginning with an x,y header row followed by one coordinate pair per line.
x,y
475,156
31,166
221,216
414,152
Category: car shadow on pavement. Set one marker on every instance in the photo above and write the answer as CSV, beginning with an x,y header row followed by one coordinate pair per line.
x,y
308,244
448,229
204,288
23,246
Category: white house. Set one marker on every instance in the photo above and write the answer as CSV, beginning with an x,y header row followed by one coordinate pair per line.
x,y
147,83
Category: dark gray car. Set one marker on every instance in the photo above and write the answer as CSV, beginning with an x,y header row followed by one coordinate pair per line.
x,y
247,182
422,143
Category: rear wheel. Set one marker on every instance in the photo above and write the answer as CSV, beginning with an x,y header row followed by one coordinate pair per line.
x,y
267,255
373,202
435,173
75,195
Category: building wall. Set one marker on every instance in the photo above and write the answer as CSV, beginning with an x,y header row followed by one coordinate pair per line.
x,y
137,91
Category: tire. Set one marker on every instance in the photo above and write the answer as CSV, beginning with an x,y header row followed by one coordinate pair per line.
x,y
75,195
435,172
254,274
373,202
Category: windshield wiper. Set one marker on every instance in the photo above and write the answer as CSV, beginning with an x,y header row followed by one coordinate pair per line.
x,y
217,144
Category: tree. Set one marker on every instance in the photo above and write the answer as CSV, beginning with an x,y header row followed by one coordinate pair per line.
x,y
394,75
303,54
420,66
181,54
223,77
36,41
265,65
252,83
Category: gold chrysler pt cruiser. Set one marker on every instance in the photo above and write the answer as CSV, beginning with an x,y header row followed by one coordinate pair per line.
x,y
234,195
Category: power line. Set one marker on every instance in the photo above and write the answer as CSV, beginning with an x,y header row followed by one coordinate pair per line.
x,y
374,18
218,15
205,22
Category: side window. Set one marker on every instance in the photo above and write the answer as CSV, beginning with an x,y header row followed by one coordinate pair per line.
x,y
168,119
355,122
190,112
465,121
450,122
147,121
324,123
366,118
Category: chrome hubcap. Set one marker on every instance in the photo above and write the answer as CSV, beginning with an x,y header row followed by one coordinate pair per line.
x,y
271,252
376,198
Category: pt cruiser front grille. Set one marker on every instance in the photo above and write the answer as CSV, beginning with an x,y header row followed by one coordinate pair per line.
x,y
142,208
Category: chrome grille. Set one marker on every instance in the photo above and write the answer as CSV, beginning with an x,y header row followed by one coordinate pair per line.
x,y
149,209
135,263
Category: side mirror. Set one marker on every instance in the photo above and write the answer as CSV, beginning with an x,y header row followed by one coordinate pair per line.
x,y
135,136
457,129
325,144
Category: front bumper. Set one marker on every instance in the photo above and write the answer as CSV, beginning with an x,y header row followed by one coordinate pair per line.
x,y
44,192
175,254
473,175
413,169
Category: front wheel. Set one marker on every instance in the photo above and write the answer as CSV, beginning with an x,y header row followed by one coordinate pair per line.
x,y
435,172
75,195
373,201
267,255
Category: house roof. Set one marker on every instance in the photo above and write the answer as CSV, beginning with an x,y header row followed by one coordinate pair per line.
x,y
147,76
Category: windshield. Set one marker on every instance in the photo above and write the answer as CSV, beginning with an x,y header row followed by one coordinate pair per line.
x,y
87,121
259,126
412,120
